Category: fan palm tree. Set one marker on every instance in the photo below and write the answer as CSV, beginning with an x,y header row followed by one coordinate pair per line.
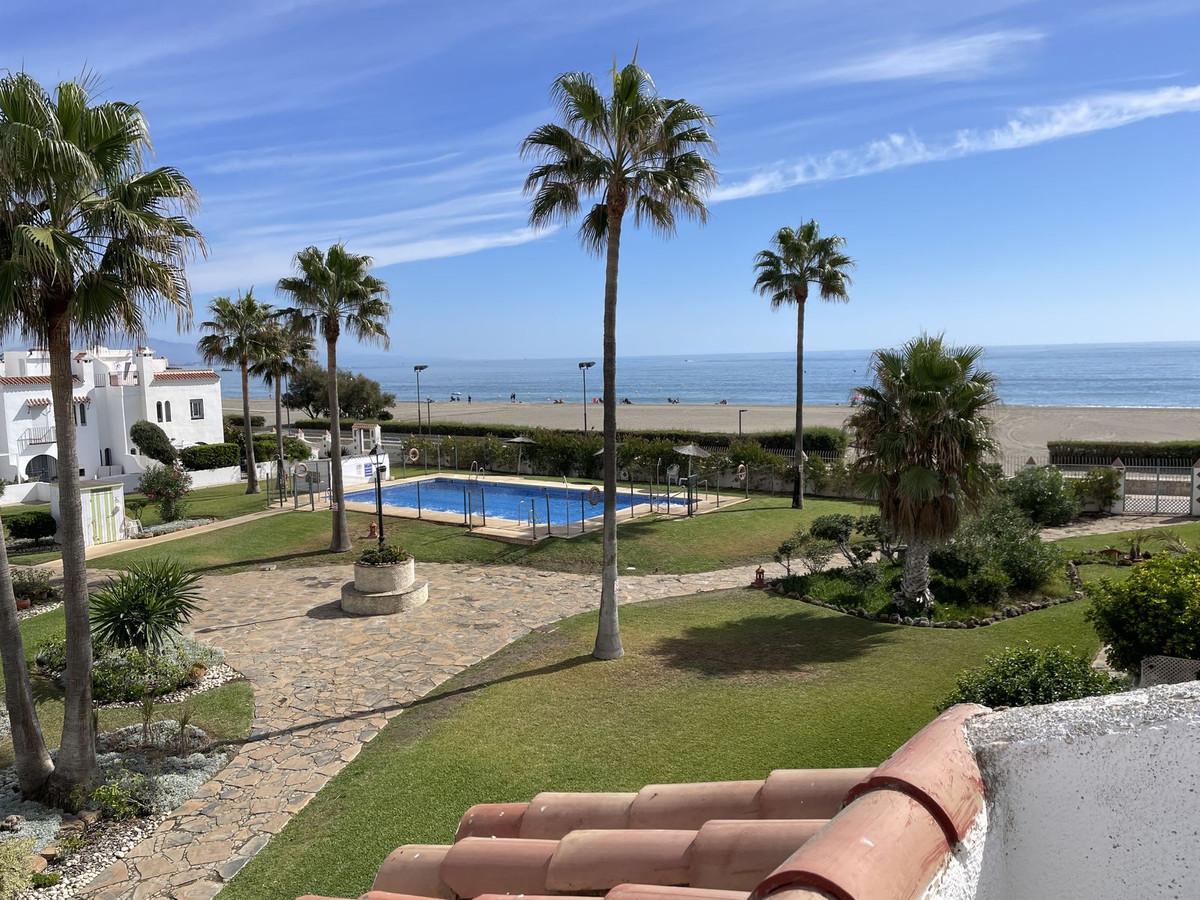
x,y
802,257
285,350
237,335
336,291
92,242
631,151
924,441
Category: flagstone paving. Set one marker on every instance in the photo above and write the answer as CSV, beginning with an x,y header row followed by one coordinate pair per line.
x,y
324,684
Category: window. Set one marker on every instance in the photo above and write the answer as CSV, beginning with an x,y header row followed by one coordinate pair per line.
x,y
168,410
197,409
108,456
159,410
82,413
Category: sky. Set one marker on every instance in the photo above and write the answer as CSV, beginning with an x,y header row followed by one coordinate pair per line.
x,y
1003,172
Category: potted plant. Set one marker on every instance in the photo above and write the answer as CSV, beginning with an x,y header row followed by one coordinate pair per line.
x,y
384,570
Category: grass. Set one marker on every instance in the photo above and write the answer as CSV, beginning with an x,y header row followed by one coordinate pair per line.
x,y
224,712
726,685
731,536
1152,538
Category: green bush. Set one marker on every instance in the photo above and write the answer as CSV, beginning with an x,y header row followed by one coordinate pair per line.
x,y
1028,676
34,585
166,486
294,449
210,456
31,525
1154,612
15,874
1100,487
153,442
121,799
124,674
387,555
240,421
1044,495
1072,452
145,606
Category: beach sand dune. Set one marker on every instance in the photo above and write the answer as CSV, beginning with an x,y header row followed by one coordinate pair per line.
x,y
1019,429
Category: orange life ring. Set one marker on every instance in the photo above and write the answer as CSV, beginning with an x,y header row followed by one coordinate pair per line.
x,y
414,454
594,496
741,472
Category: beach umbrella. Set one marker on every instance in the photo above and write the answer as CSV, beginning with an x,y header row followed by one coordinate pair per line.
x,y
692,451
520,440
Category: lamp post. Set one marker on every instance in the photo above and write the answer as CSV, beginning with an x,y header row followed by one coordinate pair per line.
x,y
377,456
583,367
418,370
740,411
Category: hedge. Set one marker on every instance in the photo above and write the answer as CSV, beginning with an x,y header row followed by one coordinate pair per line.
x,y
255,421
294,449
820,437
153,442
1066,452
32,525
210,456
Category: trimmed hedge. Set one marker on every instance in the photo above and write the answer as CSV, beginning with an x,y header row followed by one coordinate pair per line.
x,y
153,442
255,421
820,437
32,525
210,456
1065,452
294,449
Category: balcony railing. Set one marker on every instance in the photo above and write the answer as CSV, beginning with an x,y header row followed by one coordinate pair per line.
x,y
35,437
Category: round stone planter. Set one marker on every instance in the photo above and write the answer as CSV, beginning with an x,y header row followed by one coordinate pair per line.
x,y
383,590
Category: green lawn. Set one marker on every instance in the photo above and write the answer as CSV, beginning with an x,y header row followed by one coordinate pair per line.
x,y
743,533
717,686
1153,538
225,712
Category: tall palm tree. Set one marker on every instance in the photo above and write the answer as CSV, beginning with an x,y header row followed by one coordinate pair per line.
x,y
285,349
630,151
924,441
335,291
802,257
237,335
94,242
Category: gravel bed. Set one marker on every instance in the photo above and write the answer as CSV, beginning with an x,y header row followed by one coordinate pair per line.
x,y
108,841
215,677
23,614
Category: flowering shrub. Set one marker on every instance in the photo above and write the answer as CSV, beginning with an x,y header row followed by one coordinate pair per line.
x,y
167,486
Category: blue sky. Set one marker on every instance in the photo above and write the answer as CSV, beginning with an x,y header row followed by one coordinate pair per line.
x,y
1007,172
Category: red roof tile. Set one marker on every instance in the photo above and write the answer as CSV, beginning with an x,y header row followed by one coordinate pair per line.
x,y
31,380
177,375
476,866
416,869
737,855
600,860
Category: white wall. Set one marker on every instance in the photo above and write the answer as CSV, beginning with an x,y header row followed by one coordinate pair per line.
x,y
1095,798
212,477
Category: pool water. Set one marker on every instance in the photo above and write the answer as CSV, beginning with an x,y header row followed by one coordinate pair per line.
x,y
509,500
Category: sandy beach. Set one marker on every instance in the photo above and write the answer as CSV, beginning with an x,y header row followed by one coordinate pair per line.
x,y
1018,428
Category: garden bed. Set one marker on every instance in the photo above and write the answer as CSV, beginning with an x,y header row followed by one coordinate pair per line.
x,y
172,527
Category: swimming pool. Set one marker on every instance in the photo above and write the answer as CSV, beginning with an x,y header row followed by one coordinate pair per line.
x,y
510,500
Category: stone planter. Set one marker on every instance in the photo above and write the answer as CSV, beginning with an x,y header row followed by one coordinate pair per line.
x,y
383,590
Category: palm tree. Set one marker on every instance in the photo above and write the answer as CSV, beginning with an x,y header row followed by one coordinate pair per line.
x,y
630,151
335,290
924,440
237,335
285,349
92,243
802,257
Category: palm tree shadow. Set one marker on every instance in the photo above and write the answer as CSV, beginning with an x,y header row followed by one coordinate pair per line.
x,y
794,642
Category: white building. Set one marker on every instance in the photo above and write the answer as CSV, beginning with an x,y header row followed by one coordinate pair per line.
x,y
113,389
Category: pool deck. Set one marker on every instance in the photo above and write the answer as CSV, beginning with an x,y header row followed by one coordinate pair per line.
x,y
523,533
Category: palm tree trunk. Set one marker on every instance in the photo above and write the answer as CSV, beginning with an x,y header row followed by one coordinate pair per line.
x,y
76,762
914,582
608,632
248,431
798,471
340,541
33,762
279,432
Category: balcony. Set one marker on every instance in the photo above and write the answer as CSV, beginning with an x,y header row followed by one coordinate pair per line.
x,y
35,437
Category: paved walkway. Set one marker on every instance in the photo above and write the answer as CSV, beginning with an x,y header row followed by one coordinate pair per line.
x,y
1113,524
325,684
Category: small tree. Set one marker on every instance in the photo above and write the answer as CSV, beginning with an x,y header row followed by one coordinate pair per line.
x,y
1100,486
153,442
1044,495
838,528
167,486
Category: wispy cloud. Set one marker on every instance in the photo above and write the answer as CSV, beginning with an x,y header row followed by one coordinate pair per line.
x,y
1028,127
957,56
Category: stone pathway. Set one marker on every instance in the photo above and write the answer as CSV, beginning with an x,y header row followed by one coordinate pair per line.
x,y
1111,525
325,684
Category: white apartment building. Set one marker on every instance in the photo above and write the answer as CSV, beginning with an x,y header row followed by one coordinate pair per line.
x,y
113,389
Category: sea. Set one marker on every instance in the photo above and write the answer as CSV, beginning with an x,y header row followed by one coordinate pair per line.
x,y
1129,375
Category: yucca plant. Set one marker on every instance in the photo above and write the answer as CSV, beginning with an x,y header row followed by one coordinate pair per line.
x,y
146,606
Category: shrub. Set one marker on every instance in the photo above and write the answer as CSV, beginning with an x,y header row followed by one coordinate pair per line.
x,y
880,533
211,456
166,486
387,555
240,421
1156,611
1100,487
145,606
153,442
15,874
1044,495
1087,452
124,675
1028,675
294,449
31,525
119,799
34,585
838,529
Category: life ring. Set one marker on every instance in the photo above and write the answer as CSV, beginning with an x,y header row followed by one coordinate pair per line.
x,y
741,472
594,495
301,469
624,475
414,454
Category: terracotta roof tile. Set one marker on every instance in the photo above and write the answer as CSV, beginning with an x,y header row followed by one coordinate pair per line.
x,y
492,820
668,892
476,866
552,815
937,768
691,805
738,854
883,846
175,375
31,380
808,793
598,860
414,869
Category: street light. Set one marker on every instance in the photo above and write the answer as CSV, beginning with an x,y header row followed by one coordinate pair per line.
x,y
419,369
377,457
583,367
740,411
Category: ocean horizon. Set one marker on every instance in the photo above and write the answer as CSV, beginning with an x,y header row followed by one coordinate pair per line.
x,y
1151,375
